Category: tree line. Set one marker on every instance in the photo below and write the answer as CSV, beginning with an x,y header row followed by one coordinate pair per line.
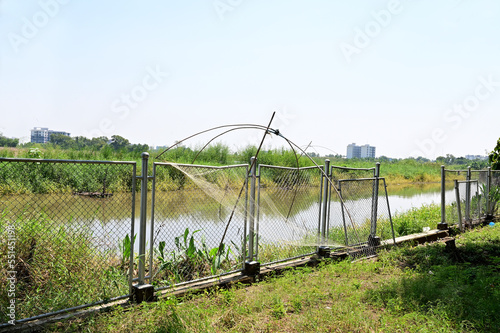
x,y
8,142
116,142
119,143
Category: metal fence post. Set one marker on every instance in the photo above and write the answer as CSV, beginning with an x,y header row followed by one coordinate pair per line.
x,y
487,194
251,266
324,207
443,195
320,205
251,220
457,194
443,225
257,219
373,239
467,196
343,215
143,216
143,292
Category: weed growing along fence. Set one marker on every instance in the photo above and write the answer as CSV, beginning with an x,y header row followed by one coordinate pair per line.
x,y
476,195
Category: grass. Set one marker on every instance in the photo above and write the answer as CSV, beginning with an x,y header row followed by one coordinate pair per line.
x,y
56,267
410,289
415,219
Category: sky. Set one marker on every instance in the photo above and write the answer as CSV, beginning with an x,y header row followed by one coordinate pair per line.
x,y
412,78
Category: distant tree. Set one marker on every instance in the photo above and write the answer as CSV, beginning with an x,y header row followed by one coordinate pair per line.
x,y
422,159
441,160
118,142
99,143
450,159
61,140
494,157
7,142
138,148
82,142
479,164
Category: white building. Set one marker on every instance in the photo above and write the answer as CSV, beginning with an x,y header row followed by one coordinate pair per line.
x,y
42,134
353,151
476,157
366,151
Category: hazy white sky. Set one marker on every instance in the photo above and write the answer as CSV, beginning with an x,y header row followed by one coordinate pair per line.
x,y
409,77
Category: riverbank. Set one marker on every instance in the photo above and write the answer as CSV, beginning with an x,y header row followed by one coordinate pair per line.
x,y
410,289
64,246
44,179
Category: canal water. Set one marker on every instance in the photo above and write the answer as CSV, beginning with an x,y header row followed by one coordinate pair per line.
x,y
108,219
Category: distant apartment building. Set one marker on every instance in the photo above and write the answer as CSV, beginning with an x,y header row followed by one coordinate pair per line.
x,y
42,134
353,151
476,157
365,151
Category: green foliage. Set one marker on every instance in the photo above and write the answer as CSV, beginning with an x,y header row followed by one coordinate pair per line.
x,y
460,287
280,157
125,248
7,142
415,219
35,153
408,289
118,142
56,267
187,261
494,157
119,148
44,178
493,198
61,140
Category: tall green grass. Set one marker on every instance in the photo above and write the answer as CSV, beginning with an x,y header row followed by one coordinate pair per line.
x,y
57,267
395,171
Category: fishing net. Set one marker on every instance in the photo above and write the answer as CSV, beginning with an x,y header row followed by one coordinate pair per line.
x,y
284,215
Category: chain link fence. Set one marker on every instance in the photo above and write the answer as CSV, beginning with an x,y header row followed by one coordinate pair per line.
x,y
288,212
359,215
365,213
469,202
475,195
448,195
495,178
65,229
80,237
199,220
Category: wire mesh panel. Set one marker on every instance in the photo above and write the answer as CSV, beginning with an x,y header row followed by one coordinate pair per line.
x,y
199,218
494,194
362,218
469,202
487,192
288,212
65,229
343,173
495,178
451,214
481,176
